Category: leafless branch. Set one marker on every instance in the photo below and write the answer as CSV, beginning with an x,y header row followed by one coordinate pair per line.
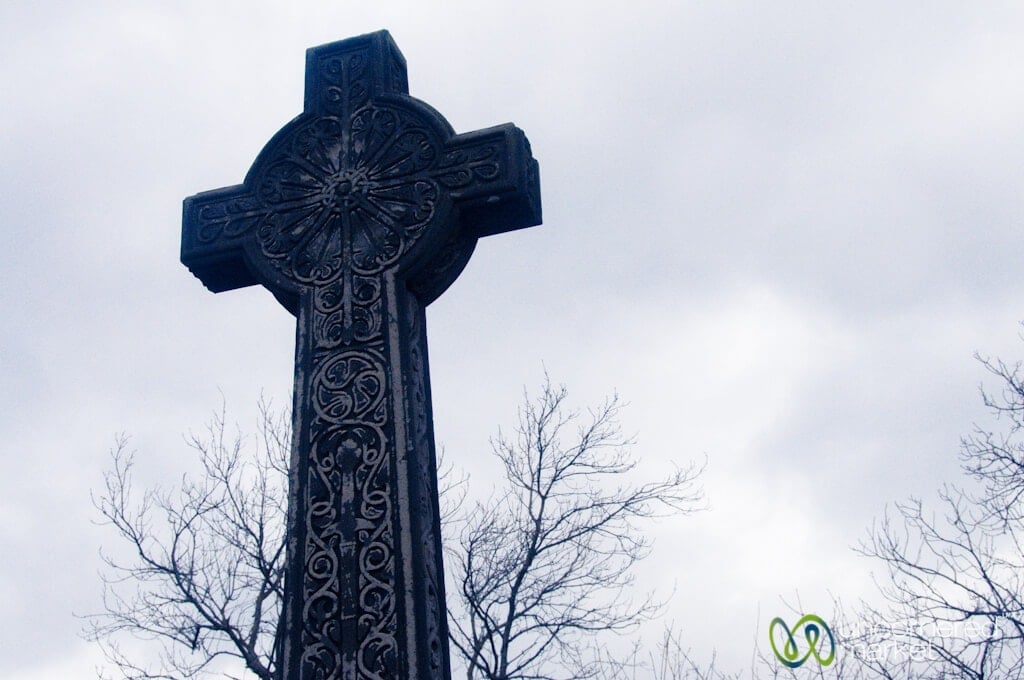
x,y
548,561
953,584
204,573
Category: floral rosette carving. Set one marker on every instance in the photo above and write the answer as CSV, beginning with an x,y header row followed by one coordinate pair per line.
x,y
349,198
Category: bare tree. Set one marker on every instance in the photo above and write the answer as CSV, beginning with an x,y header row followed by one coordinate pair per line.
x,y
954,579
546,564
205,570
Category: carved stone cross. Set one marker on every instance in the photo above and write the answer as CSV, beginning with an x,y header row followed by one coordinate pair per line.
x,y
356,215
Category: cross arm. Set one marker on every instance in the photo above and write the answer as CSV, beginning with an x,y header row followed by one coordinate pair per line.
x,y
494,179
214,225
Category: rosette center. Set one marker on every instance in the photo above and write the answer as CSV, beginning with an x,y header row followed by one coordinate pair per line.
x,y
345,189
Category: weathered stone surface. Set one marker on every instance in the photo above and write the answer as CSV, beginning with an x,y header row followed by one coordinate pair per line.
x,y
356,215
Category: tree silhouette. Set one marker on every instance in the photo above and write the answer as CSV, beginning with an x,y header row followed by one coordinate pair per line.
x,y
954,578
545,565
204,573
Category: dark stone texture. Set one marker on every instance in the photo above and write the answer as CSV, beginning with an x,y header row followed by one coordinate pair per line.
x,y
356,215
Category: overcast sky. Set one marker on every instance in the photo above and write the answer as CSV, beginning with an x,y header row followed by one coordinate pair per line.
x,y
778,229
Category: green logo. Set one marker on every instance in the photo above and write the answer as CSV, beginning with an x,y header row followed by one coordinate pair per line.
x,y
812,627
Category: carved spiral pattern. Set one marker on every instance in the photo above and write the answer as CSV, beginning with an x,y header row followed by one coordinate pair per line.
x,y
351,439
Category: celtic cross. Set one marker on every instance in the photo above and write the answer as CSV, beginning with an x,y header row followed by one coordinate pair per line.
x,y
356,215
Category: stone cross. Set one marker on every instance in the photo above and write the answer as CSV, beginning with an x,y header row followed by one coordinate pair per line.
x,y
356,215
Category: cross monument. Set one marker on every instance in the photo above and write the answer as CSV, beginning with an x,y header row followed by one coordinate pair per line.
x,y
357,215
